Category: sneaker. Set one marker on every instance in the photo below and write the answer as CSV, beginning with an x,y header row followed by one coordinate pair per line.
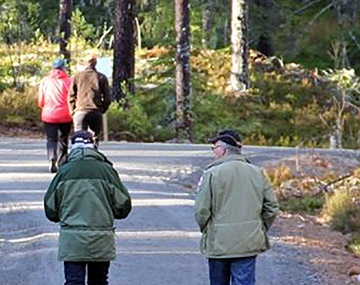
x,y
53,167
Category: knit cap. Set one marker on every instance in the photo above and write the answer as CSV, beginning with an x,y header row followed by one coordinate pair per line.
x,y
82,139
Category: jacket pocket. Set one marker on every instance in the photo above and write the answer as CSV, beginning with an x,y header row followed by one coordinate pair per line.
x,y
239,238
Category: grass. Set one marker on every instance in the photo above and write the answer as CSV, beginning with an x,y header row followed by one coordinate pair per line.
x,y
309,205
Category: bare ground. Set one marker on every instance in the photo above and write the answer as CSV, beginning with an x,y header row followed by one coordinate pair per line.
x,y
320,246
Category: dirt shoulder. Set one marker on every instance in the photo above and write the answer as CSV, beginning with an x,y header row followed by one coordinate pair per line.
x,y
320,246
21,132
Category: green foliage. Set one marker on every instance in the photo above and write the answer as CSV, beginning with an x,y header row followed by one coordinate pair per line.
x,y
282,108
27,68
294,29
309,205
354,243
97,13
342,208
131,124
19,108
157,23
80,28
17,21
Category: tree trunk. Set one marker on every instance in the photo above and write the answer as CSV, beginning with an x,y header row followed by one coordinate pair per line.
x,y
182,78
207,23
124,49
344,13
263,9
228,24
65,28
240,50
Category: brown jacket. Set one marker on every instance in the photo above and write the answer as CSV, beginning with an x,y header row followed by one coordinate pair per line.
x,y
89,92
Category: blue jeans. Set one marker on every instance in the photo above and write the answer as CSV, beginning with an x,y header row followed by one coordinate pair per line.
x,y
97,273
241,271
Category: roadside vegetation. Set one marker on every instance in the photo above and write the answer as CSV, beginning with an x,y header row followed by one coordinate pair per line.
x,y
287,104
327,190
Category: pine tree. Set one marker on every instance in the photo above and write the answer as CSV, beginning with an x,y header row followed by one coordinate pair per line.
x,y
182,88
124,49
65,10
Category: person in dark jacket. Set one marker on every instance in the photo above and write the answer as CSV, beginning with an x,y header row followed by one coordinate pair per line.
x,y
85,197
89,98
234,208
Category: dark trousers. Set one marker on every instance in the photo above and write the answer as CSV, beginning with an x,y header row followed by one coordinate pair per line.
x,y
84,120
97,273
57,136
240,271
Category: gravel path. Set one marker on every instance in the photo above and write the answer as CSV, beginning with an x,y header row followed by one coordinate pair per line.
x,y
157,244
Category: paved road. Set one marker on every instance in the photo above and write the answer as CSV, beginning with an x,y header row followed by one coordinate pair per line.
x,y
157,244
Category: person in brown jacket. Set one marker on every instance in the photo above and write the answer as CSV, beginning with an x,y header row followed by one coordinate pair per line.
x,y
89,98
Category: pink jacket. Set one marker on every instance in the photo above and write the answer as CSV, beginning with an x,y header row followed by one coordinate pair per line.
x,y
53,94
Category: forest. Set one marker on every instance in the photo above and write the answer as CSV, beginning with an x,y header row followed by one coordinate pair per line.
x,y
280,72
299,63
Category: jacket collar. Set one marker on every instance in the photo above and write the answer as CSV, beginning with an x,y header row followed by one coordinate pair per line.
x,y
87,153
90,67
231,157
58,73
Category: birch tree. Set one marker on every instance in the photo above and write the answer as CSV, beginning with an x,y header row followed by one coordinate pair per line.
x,y
124,49
240,50
182,77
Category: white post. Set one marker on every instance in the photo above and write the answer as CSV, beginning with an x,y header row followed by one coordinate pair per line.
x,y
105,128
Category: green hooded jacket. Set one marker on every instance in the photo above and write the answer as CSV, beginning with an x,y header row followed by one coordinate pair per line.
x,y
235,207
85,197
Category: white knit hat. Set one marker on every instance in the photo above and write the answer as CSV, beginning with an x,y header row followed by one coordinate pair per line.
x,y
82,139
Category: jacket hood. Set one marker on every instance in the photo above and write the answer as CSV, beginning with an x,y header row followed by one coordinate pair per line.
x,y
87,153
226,158
58,73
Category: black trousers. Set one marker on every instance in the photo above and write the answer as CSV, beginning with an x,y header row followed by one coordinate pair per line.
x,y
57,136
97,273
84,120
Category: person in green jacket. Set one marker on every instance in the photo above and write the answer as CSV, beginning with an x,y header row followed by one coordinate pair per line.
x,y
85,197
234,208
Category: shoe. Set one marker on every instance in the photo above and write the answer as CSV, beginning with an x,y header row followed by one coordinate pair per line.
x,y
53,167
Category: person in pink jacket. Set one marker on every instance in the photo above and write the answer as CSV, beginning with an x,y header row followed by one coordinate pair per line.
x,y
53,98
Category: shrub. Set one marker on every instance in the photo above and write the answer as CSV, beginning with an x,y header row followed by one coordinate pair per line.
x,y
18,107
342,210
310,205
131,124
354,243
279,175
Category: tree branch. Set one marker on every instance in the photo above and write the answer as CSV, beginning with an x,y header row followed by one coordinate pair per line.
x,y
324,188
354,39
322,11
324,121
299,11
103,37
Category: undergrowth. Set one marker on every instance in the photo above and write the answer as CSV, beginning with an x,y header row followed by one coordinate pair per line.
x,y
282,107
